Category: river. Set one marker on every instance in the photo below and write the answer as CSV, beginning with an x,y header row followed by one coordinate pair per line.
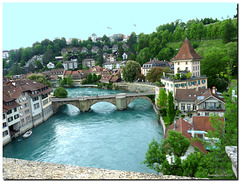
x,y
101,138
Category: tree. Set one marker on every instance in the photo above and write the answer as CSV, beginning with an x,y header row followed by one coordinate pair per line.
x,y
131,70
60,92
94,78
155,46
178,33
132,42
155,157
89,78
69,80
59,65
154,74
162,98
100,57
166,54
214,63
193,31
170,108
40,79
74,42
227,31
144,56
200,30
39,65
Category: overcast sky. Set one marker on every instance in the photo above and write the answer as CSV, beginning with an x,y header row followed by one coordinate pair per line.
x,y
25,23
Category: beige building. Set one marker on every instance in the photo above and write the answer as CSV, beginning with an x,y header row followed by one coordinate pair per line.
x,y
187,60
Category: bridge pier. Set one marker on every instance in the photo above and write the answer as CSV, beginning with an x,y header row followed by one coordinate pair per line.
x,y
84,105
121,101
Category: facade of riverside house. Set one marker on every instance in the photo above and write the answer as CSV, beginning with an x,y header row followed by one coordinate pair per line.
x,y
70,65
186,60
114,48
64,51
210,103
114,65
105,48
153,63
185,99
94,49
88,63
11,119
84,50
39,100
22,97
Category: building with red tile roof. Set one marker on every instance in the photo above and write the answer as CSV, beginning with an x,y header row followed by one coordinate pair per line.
x,y
183,127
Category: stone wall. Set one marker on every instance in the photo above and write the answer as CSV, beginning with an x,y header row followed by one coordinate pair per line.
x,y
135,87
23,169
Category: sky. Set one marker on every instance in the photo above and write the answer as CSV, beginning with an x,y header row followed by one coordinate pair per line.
x,y
25,23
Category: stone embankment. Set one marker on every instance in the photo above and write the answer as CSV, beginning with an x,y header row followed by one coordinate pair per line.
x,y
23,169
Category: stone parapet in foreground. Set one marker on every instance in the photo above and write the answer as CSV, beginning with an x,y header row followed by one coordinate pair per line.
x,y
23,169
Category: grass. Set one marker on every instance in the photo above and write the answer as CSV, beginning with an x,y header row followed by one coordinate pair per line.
x,y
203,47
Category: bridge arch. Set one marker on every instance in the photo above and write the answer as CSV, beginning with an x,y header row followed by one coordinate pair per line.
x,y
130,99
56,106
95,101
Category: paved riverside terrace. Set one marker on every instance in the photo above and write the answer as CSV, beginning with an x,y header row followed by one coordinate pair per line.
x,y
32,170
84,103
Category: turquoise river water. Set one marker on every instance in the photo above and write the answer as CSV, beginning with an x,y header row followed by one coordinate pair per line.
x,y
101,138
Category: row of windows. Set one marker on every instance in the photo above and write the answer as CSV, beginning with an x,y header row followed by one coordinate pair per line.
x,y
195,68
36,106
35,99
189,83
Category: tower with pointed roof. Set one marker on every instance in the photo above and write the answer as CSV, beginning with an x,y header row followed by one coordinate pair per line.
x,y
186,60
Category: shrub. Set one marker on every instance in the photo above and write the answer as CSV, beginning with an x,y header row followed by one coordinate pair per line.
x,y
60,92
182,115
163,111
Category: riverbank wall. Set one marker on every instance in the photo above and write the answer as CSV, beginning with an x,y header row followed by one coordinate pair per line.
x,y
17,169
134,87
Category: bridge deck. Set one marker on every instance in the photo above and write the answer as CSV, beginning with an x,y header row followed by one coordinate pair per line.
x,y
102,96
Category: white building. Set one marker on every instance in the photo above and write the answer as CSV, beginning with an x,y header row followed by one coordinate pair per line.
x,y
50,65
114,65
124,56
70,65
6,54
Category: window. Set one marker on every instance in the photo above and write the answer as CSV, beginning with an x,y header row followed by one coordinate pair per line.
x,y
5,133
9,111
27,111
16,116
15,109
10,119
4,124
188,107
26,105
27,118
186,62
22,120
35,98
199,82
178,63
206,113
193,74
193,68
183,106
36,106
4,116
186,68
171,85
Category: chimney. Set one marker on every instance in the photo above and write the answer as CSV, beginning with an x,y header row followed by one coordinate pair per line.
x,y
192,132
213,90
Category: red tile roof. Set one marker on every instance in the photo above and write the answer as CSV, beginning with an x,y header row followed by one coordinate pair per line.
x,y
188,94
182,126
186,52
203,123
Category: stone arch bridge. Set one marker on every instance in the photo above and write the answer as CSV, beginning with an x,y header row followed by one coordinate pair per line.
x,y
84,104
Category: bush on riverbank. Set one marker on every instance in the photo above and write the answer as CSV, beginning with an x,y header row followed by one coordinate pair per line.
x,y
60,92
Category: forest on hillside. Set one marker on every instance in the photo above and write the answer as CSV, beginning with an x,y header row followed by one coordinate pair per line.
x,y
221,60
